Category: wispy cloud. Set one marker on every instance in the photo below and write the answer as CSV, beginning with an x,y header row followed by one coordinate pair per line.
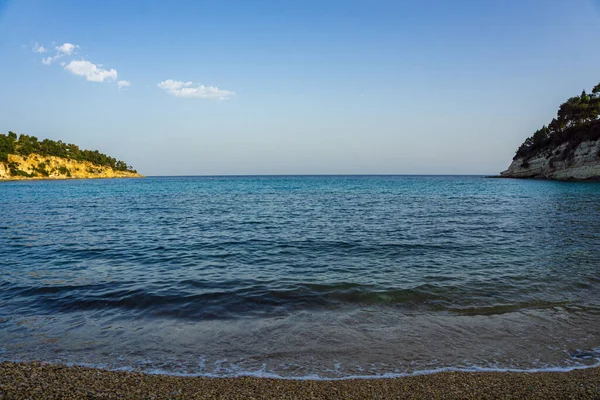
x,y
189,89
65,49
123,84
91,71
38,48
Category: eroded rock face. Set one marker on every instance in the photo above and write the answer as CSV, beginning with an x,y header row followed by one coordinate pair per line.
x,y
581,164
59,168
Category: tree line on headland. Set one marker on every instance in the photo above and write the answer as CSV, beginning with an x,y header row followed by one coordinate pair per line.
x,y
25,145
577,121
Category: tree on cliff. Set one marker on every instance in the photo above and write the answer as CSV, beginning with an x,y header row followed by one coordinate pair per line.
x,y
7,145
576,119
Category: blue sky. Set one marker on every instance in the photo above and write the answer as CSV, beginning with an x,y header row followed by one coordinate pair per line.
x,y
295,87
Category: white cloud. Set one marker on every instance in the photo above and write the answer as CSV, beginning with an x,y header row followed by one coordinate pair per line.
x,y
38,48
91,71
123,84
188,89
66,49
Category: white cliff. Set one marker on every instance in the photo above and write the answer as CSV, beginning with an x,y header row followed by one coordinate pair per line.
x,y
563,162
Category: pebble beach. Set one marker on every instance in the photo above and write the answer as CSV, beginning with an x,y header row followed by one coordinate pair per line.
x,y
49,381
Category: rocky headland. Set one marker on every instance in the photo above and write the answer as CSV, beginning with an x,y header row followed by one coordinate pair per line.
x,y
568,148
25,157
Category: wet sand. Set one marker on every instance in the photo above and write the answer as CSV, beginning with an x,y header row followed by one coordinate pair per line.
x,y
44,381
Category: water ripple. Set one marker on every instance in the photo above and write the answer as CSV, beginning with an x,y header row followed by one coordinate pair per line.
x,y
343,263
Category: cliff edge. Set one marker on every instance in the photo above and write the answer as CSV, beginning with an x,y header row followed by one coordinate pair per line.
x,y
581,163
568,148
35,166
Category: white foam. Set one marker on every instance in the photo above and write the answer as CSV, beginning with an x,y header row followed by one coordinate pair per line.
x,y
221,370
388,375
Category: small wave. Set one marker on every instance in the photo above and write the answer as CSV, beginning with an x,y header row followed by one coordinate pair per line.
x,y
506,308
192,299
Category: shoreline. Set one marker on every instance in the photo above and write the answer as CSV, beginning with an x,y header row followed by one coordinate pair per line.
x,y
45,178
41,380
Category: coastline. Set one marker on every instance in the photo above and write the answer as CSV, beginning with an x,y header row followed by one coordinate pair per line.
x,y
64,178
40,381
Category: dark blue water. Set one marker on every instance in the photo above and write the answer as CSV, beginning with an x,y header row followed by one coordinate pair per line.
x,y
331,276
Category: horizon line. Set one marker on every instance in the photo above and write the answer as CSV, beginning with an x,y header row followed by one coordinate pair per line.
x,y
245,175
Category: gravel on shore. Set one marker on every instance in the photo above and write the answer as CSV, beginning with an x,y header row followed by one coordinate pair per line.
x,y
47,381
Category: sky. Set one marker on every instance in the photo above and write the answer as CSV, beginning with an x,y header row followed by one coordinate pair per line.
x,y
295,87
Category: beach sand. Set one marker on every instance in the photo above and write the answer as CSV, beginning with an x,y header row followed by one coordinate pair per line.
x,y
44,381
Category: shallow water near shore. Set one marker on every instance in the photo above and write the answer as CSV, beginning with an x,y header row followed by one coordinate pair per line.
x,y
301,276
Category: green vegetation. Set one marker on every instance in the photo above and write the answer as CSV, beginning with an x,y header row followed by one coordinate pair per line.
x,y
64,170
15,171
41,169
25,145
577,121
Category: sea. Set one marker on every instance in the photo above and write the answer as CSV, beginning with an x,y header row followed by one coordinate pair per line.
x,y
301,277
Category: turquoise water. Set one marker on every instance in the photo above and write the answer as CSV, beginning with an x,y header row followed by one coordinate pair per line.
x,y
311,276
